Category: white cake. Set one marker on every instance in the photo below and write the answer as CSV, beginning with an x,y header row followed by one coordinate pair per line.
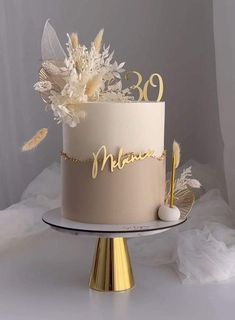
x,y
130,195
113,160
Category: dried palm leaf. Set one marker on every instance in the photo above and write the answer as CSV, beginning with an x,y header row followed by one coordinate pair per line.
x,y
50,44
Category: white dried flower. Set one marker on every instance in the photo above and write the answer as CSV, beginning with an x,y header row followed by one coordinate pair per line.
x,y
69,117
42,86
194,183
50,67
86,74
186,180
115,87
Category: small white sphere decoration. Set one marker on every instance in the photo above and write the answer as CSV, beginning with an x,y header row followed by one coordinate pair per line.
x,y
167,213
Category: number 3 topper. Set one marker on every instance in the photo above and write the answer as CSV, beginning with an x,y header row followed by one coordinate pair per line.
x,y
143,93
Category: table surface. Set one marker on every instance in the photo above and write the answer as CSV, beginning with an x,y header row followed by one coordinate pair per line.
x,y
45,276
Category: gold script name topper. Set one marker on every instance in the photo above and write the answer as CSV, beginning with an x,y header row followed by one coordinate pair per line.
x,y
119,163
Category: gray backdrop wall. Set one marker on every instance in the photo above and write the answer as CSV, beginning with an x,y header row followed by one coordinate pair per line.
x,y
174,38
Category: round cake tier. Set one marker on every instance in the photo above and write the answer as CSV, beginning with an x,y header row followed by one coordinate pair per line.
x,y
135,126
130,195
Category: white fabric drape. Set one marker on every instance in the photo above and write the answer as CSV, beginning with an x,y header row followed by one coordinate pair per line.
x,y
224,33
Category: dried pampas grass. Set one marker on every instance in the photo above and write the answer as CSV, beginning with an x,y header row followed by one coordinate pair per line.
x,y
74,40
176,153
175,164
35,140
98,40
93,84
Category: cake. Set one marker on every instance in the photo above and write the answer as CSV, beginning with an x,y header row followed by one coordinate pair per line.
x,y
113,158
128,195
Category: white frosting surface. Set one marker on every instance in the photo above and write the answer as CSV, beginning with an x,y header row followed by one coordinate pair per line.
x,y
136,127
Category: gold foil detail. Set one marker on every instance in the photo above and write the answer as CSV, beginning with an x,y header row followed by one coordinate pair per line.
x,y
66,157
137,85
115,163
143,93
150,82
119,163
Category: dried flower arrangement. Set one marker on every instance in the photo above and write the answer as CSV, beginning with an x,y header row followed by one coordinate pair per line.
x,y
178,189
82,75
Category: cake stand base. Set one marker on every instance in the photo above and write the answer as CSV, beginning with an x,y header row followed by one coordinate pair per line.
x,y
111,270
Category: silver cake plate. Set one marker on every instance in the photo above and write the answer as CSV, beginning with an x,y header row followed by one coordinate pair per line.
x,y
56,221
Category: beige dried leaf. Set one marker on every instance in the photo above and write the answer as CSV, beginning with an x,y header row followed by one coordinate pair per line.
x,y
98,40
176,153
93,84
74,40
35,140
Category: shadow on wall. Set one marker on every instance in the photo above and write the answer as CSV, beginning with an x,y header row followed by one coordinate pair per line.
x,y
173,38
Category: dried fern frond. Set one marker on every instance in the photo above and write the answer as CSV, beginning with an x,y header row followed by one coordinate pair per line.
x,y
176,152
35,140
98,40
74,40
93,84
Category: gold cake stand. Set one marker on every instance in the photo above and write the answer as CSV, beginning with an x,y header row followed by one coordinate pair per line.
x,y
111,269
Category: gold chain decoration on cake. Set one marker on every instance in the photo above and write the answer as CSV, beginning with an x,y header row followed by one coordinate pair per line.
x,y
66,157
115,162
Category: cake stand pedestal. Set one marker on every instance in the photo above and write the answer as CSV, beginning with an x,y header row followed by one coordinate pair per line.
x,y
111,270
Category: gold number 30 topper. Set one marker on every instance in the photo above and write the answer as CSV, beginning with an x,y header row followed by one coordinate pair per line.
x,y
143,93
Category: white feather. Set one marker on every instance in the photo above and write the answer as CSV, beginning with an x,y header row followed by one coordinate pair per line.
x,y
194,183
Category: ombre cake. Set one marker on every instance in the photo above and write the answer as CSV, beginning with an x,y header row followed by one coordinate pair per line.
x,y
123,193
113,159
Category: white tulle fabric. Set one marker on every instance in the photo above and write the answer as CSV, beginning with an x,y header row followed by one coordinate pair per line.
x,y
208,254
201,250
25,218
